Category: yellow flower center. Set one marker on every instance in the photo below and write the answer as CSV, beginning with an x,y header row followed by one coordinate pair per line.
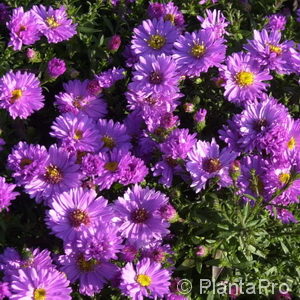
x,y
53,174
275,49
244,78
291,143
111,166
52,22
143,280
108,142
15,95
156,41
86,265
169,17
78,134
198,50
284,178
39,294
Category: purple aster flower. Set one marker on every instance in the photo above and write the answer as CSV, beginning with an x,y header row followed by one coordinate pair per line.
x,y
132,170
155,75
54,23
56,67
145,279
151,104
244,78
21,94
293,140
91,273
37,283
263,126
114,43
113,135
7,194
176,297
76,131
27,161
4,13
154,37
11,261
205,161
59,174
139,218
4,290
23,29
92,164
74,212
100,242
162,123
130,57
178,144
293,57
269,51
276,22
196,52
77,98
108,78
214,20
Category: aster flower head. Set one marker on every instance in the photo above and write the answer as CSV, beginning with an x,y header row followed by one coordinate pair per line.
x,y
27,161
76,131
214,20
114,43
108,78
132,170
244,78
23,29
92,164
74,212
198,51
101,242
269,51
155,75
7,194
145,279
129,253
59,174
77,98
178,144
56,67
113,135
92,274
263,126
54,23
139,219
20,94
154,37
276,22
206,161
37,283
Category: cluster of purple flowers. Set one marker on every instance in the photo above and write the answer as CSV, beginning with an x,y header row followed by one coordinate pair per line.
x,y
94,153
28,27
